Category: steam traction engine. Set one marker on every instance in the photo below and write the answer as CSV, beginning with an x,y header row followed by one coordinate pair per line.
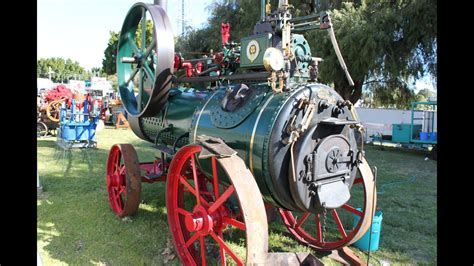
x,y
236,131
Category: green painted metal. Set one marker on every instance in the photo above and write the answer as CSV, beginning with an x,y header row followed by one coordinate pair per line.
x,y
263,40
182,104
302,51
401,132
144,58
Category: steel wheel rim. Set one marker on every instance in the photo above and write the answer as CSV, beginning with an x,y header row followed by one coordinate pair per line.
x,y
41,129
155,78
179,218
295,226
123,180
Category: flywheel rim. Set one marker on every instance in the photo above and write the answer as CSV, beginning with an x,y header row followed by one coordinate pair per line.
x,y
155,78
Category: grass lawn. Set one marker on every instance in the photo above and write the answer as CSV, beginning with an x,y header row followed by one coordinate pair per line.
x,y
76,225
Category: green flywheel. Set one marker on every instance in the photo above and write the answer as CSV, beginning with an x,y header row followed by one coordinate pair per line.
x,y
145,63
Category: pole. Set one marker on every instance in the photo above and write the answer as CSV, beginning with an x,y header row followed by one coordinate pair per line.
x,y
262,10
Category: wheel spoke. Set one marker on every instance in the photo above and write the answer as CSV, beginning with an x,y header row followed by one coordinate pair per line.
x,y
143,29
183,212
339,223
234,223
203,251
221,199
133,44
191,189
352,209
149,72
196,183
215,177
121,170
149,49
132,76
223,245
140,90
222,251
191,240
302,220
318,226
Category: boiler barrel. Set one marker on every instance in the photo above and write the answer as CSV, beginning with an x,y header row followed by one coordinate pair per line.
x,y
254,128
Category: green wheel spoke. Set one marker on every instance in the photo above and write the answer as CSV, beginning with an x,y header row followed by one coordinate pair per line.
x,y
133,44
150,48
140,91
134,73
149,72
143,29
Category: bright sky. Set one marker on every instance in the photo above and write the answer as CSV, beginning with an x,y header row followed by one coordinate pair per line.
x,y
79,29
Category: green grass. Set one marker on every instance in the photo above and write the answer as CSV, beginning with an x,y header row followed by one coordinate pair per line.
x,y
76,225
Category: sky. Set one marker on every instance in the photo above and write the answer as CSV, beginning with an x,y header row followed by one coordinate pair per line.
x,y
79,29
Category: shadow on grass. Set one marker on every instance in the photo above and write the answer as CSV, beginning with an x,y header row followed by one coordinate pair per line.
x,y
76,225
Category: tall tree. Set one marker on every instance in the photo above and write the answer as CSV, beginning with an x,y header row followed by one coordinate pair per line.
x,y
63,69
386,44
109,62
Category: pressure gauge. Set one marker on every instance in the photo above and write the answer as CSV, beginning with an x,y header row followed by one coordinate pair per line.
x,y
273,59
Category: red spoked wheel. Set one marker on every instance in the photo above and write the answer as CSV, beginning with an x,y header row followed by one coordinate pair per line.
x,y
336,229
123,180
201,216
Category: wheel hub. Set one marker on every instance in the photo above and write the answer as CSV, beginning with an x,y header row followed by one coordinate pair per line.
x,y
202,222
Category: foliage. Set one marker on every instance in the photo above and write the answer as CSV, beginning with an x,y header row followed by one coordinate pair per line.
x,y
109,62
64,69
385,43
397,98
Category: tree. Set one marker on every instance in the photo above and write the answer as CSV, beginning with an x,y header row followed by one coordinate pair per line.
x,y
109,63
385,43
64,69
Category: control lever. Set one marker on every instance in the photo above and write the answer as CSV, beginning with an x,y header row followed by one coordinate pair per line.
x,y
327,24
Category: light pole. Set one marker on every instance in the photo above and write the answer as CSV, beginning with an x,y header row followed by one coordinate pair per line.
x,y
50,72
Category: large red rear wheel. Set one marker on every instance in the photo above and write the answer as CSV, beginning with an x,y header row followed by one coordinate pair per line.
x,y
335,228
123,180
201,216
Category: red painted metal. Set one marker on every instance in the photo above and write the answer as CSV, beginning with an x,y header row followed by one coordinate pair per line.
x,y
61,91
178,60
207,218
314,238
123,185
189,68
225,34
198,68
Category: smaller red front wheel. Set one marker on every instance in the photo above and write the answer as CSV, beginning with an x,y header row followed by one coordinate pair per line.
x,y
123,180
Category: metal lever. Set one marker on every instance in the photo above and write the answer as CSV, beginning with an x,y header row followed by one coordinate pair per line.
x,y
332,36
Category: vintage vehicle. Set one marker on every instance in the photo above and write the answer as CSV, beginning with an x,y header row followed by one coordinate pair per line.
x,y
239,131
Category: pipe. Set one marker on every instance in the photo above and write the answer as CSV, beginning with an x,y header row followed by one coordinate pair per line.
x,y
162,3
262,10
